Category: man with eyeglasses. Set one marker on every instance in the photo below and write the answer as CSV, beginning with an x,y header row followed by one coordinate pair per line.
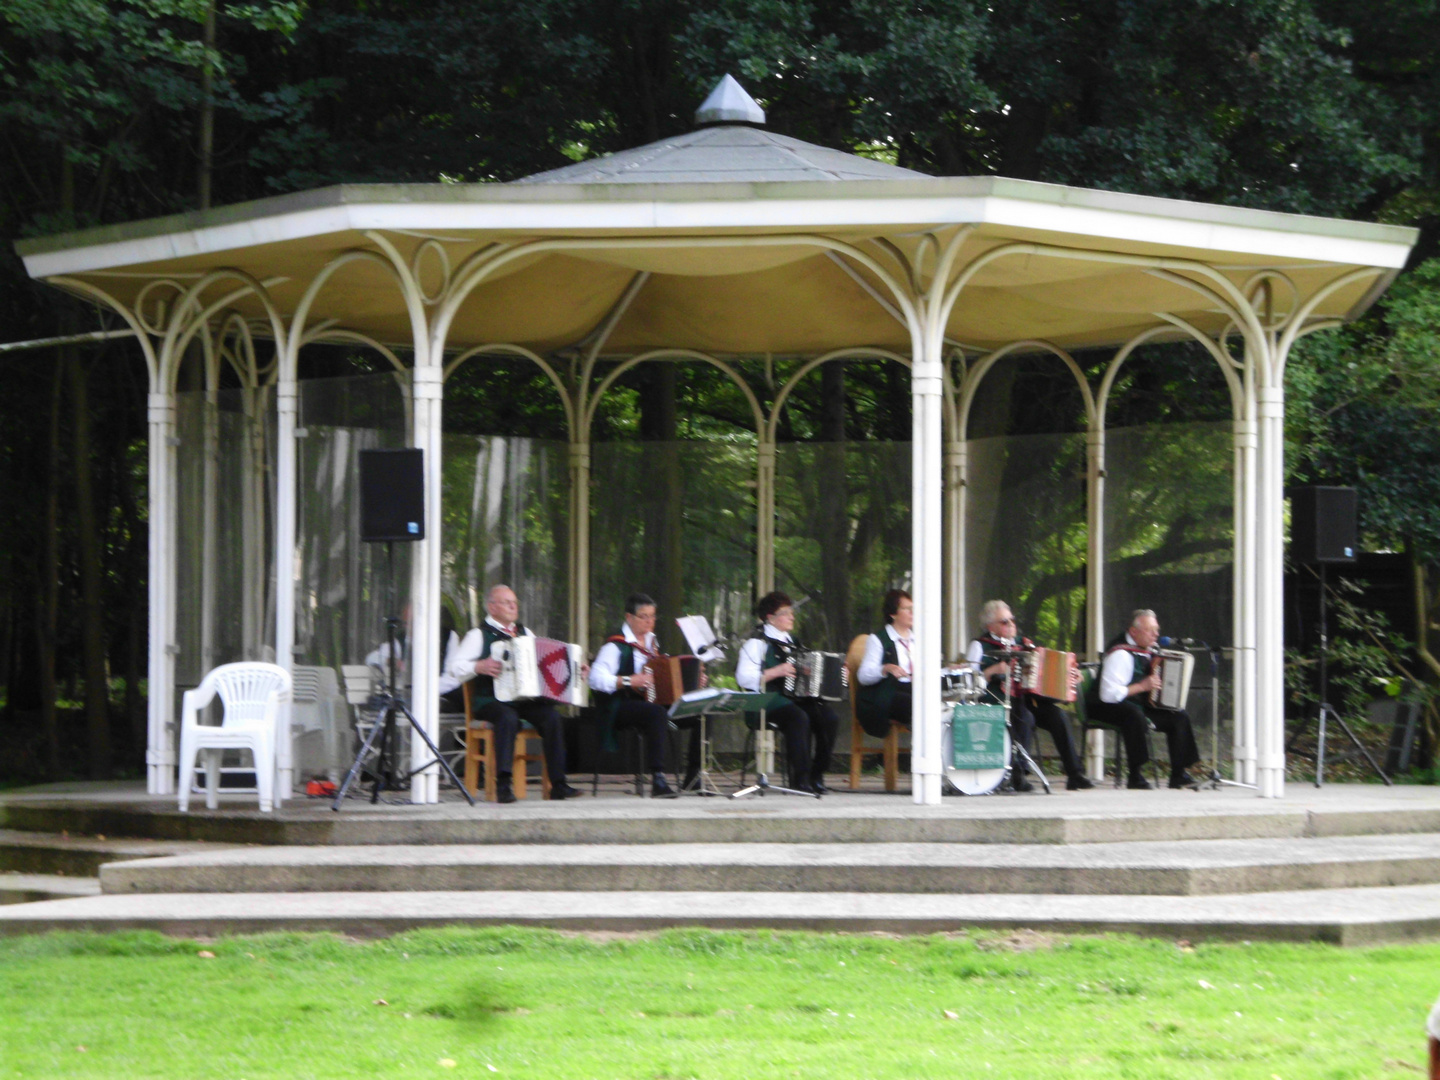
x,y
991,653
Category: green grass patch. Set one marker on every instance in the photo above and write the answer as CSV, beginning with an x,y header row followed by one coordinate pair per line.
x,y
698,1003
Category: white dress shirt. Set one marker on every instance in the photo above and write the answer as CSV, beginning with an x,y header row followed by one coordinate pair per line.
x,y
465,656
605,671
751,664
869,672
1118,673
380,658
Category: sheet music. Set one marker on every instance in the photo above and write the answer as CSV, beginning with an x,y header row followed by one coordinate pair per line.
x,y
700,637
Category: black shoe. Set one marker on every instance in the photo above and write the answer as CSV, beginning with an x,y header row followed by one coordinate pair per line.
x,y
565,791
1138,783
819,788
1020,784
1183,780
1078,782
660,789
503,792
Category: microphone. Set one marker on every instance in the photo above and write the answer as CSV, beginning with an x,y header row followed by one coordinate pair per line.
x,y
1183,642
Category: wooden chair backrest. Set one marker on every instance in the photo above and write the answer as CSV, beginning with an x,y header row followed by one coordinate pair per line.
x,y
853,656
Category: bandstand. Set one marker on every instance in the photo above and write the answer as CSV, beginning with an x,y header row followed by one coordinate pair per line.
x,y
729,242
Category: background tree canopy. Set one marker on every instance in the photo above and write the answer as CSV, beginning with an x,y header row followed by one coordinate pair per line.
x,y
112,110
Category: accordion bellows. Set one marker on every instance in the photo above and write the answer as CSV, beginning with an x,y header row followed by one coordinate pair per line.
x,y
675,676
536,667
817,675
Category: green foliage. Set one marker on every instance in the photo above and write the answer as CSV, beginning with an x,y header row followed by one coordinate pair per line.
x,y
692,1002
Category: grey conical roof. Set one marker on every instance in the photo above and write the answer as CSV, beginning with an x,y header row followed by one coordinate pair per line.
x,y
728,150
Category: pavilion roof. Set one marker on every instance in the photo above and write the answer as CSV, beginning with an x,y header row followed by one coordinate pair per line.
x,y
710,194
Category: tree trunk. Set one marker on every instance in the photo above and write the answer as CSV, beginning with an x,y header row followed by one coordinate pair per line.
x,y
47,615
664,520
207,113
92,624
834,506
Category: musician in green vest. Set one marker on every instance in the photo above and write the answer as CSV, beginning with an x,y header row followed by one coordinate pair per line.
x,y
764,664
1120,698
473,661
883,693
621,686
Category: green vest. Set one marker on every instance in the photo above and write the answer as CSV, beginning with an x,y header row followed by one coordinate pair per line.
x,y
773,657
873,702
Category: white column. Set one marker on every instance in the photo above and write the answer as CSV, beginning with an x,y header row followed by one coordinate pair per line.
x,y
287,405
208,513
428,389
1094,749
927,525
957,466
580,542
1269,590
160,751
1243,664
764,516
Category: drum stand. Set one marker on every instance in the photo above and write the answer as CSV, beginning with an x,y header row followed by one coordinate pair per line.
x,y
764,762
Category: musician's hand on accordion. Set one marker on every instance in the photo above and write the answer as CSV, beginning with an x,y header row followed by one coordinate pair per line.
x,y
641,680
489,667
779,671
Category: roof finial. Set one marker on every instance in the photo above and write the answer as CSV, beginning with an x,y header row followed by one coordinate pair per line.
x,y
728,103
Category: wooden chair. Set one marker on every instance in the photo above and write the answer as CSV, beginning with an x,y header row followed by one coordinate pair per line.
x,y
480,748
890,748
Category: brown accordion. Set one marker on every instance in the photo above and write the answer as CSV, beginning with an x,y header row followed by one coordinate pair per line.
x,y
1046,672
674,677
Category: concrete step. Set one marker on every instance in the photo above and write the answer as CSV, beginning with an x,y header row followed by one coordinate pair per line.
x,y
81,856
1194,868
28,888
1086,817
1343,916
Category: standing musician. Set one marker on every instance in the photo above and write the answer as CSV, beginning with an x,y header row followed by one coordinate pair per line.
x,y
763,665
473,661
883,695
1121,700
988,655
620,680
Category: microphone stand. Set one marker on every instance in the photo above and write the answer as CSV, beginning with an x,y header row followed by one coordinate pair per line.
x,y
1016,746
1214,781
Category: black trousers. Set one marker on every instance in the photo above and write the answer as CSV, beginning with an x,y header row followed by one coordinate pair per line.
x,y
505,717
800,723
877,727
1129,718
653,722
1028,712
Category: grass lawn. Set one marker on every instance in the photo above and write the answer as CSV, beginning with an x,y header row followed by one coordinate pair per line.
x,y
697,1003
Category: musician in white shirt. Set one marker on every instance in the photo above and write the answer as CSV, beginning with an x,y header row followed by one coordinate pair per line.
x,y
1121,699
620,682
883,694
764,664
448,685
989,655
472,660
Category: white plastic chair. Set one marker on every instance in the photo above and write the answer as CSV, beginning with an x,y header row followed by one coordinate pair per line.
x,y
254,697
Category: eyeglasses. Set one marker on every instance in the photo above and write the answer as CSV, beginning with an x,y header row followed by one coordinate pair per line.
x,y
1008,622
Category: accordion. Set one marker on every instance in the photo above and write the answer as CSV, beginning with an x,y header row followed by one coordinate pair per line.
x,y
674,677
817,675
1174,669
1047,672
536,667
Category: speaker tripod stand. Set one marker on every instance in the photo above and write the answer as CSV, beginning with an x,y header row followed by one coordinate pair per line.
x,y
1325,710
386,728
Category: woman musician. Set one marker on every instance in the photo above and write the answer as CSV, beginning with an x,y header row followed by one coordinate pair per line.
x,y
763,665
883,696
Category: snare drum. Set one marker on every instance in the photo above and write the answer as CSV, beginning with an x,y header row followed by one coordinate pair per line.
x,y
975,747
960,684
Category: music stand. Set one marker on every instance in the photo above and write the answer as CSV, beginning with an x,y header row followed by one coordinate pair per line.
x,y
702,704
1215,781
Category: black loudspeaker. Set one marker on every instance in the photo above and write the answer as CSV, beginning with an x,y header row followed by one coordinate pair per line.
x,y
1322,524
392,495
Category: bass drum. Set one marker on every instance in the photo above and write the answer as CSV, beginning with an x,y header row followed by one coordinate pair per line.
x,y
974,781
